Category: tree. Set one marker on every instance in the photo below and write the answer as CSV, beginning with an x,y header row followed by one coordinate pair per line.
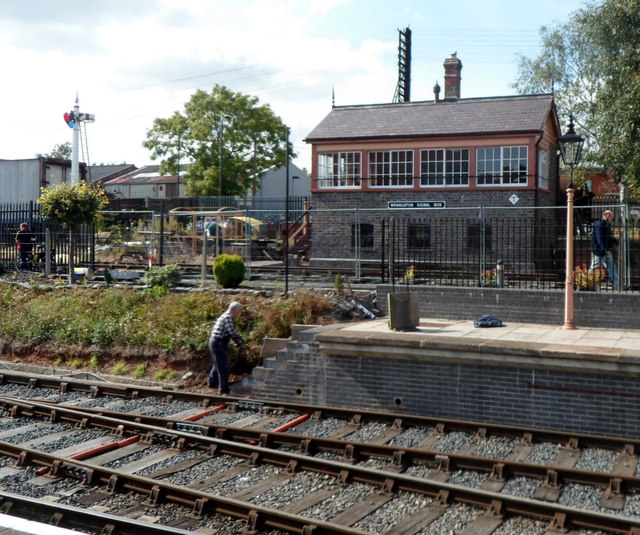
x,y
61,151
249,137
566,68
614,30
591,64
72,206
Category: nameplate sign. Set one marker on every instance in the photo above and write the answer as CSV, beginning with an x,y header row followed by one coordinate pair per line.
x,y
415,205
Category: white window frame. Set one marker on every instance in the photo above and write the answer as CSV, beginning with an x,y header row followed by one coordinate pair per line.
x,y
339,170
391,169
502,162
448,166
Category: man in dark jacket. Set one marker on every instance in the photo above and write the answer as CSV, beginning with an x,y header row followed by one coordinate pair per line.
x,y
603,244
25,239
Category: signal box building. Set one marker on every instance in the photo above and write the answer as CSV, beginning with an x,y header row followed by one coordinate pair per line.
x,y
447,152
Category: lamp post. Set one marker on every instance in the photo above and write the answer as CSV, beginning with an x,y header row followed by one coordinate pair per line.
x,y
286,216
222,119
571,151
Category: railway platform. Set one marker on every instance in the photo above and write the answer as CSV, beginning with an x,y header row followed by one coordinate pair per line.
x,y
587,379
12,525
536,337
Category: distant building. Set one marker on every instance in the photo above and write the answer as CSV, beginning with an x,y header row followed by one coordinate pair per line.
x,y
273,183
22,180
146,182
98,174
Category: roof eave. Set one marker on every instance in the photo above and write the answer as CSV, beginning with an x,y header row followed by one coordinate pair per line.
x,y
496,133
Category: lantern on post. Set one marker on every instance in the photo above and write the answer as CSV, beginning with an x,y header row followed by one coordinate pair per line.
x,y
570,145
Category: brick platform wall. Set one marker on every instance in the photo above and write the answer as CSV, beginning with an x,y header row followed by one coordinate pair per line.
x,y
591,309
525,396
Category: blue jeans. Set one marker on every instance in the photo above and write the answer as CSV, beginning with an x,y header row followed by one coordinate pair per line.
x,y
219,374
609,264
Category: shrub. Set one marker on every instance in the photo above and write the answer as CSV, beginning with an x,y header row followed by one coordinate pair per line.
x,y
338,284
228,270
588,278
164,276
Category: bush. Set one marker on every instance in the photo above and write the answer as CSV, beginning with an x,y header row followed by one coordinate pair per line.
x,y
163,276
228,270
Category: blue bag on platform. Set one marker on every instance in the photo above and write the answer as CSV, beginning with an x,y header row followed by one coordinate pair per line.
x,y
487,321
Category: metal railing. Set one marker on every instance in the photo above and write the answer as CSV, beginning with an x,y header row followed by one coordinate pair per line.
x,y
506,247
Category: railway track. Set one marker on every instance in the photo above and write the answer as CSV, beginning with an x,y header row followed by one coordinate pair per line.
x,y
200,463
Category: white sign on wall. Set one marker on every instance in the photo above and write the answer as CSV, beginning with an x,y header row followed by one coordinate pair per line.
x,y
413,205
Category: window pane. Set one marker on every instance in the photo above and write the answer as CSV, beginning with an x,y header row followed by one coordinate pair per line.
x,y
339,169
502,165
419,236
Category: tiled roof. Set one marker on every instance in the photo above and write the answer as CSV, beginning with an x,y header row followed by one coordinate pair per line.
x,y
523,113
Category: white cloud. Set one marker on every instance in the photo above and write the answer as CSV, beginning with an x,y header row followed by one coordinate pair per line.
x,y
133,61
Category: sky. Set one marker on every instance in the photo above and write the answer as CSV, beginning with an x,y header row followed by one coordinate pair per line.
x,y
129,62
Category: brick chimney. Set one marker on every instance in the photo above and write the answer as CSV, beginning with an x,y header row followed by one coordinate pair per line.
x,y
452,68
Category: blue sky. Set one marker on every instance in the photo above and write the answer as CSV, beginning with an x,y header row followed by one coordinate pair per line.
x,y
131,61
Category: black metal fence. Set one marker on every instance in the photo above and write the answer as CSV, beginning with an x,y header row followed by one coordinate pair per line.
x,y
510,247
49,236
131,228
507,247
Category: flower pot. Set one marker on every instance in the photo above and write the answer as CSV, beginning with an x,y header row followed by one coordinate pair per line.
x,y
586,288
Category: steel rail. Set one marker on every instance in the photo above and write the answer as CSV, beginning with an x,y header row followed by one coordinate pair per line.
x,y
400,458
202,503
385,481
356,416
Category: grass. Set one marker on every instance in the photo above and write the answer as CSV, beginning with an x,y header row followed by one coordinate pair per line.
x,y
92,322
120,368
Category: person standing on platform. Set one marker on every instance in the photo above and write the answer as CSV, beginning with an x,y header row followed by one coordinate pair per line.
x,y
603,244
223,332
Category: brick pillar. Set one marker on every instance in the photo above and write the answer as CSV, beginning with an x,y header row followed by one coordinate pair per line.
x,y
452,68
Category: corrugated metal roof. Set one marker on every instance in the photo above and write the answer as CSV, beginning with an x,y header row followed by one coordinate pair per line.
x,y
522,113
149,174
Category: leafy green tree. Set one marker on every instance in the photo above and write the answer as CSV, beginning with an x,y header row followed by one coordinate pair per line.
x,y
614,30
249,137
592,65
71,206
566,68
61,151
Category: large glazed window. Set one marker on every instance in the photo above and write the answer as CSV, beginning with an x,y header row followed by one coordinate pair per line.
x,y
339,170
391,168
502,166
444,167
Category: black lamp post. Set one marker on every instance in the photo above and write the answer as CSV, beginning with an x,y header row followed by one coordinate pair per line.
x,y
571,151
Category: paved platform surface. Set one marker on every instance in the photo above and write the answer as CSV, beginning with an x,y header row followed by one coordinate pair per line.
x,y
527,333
